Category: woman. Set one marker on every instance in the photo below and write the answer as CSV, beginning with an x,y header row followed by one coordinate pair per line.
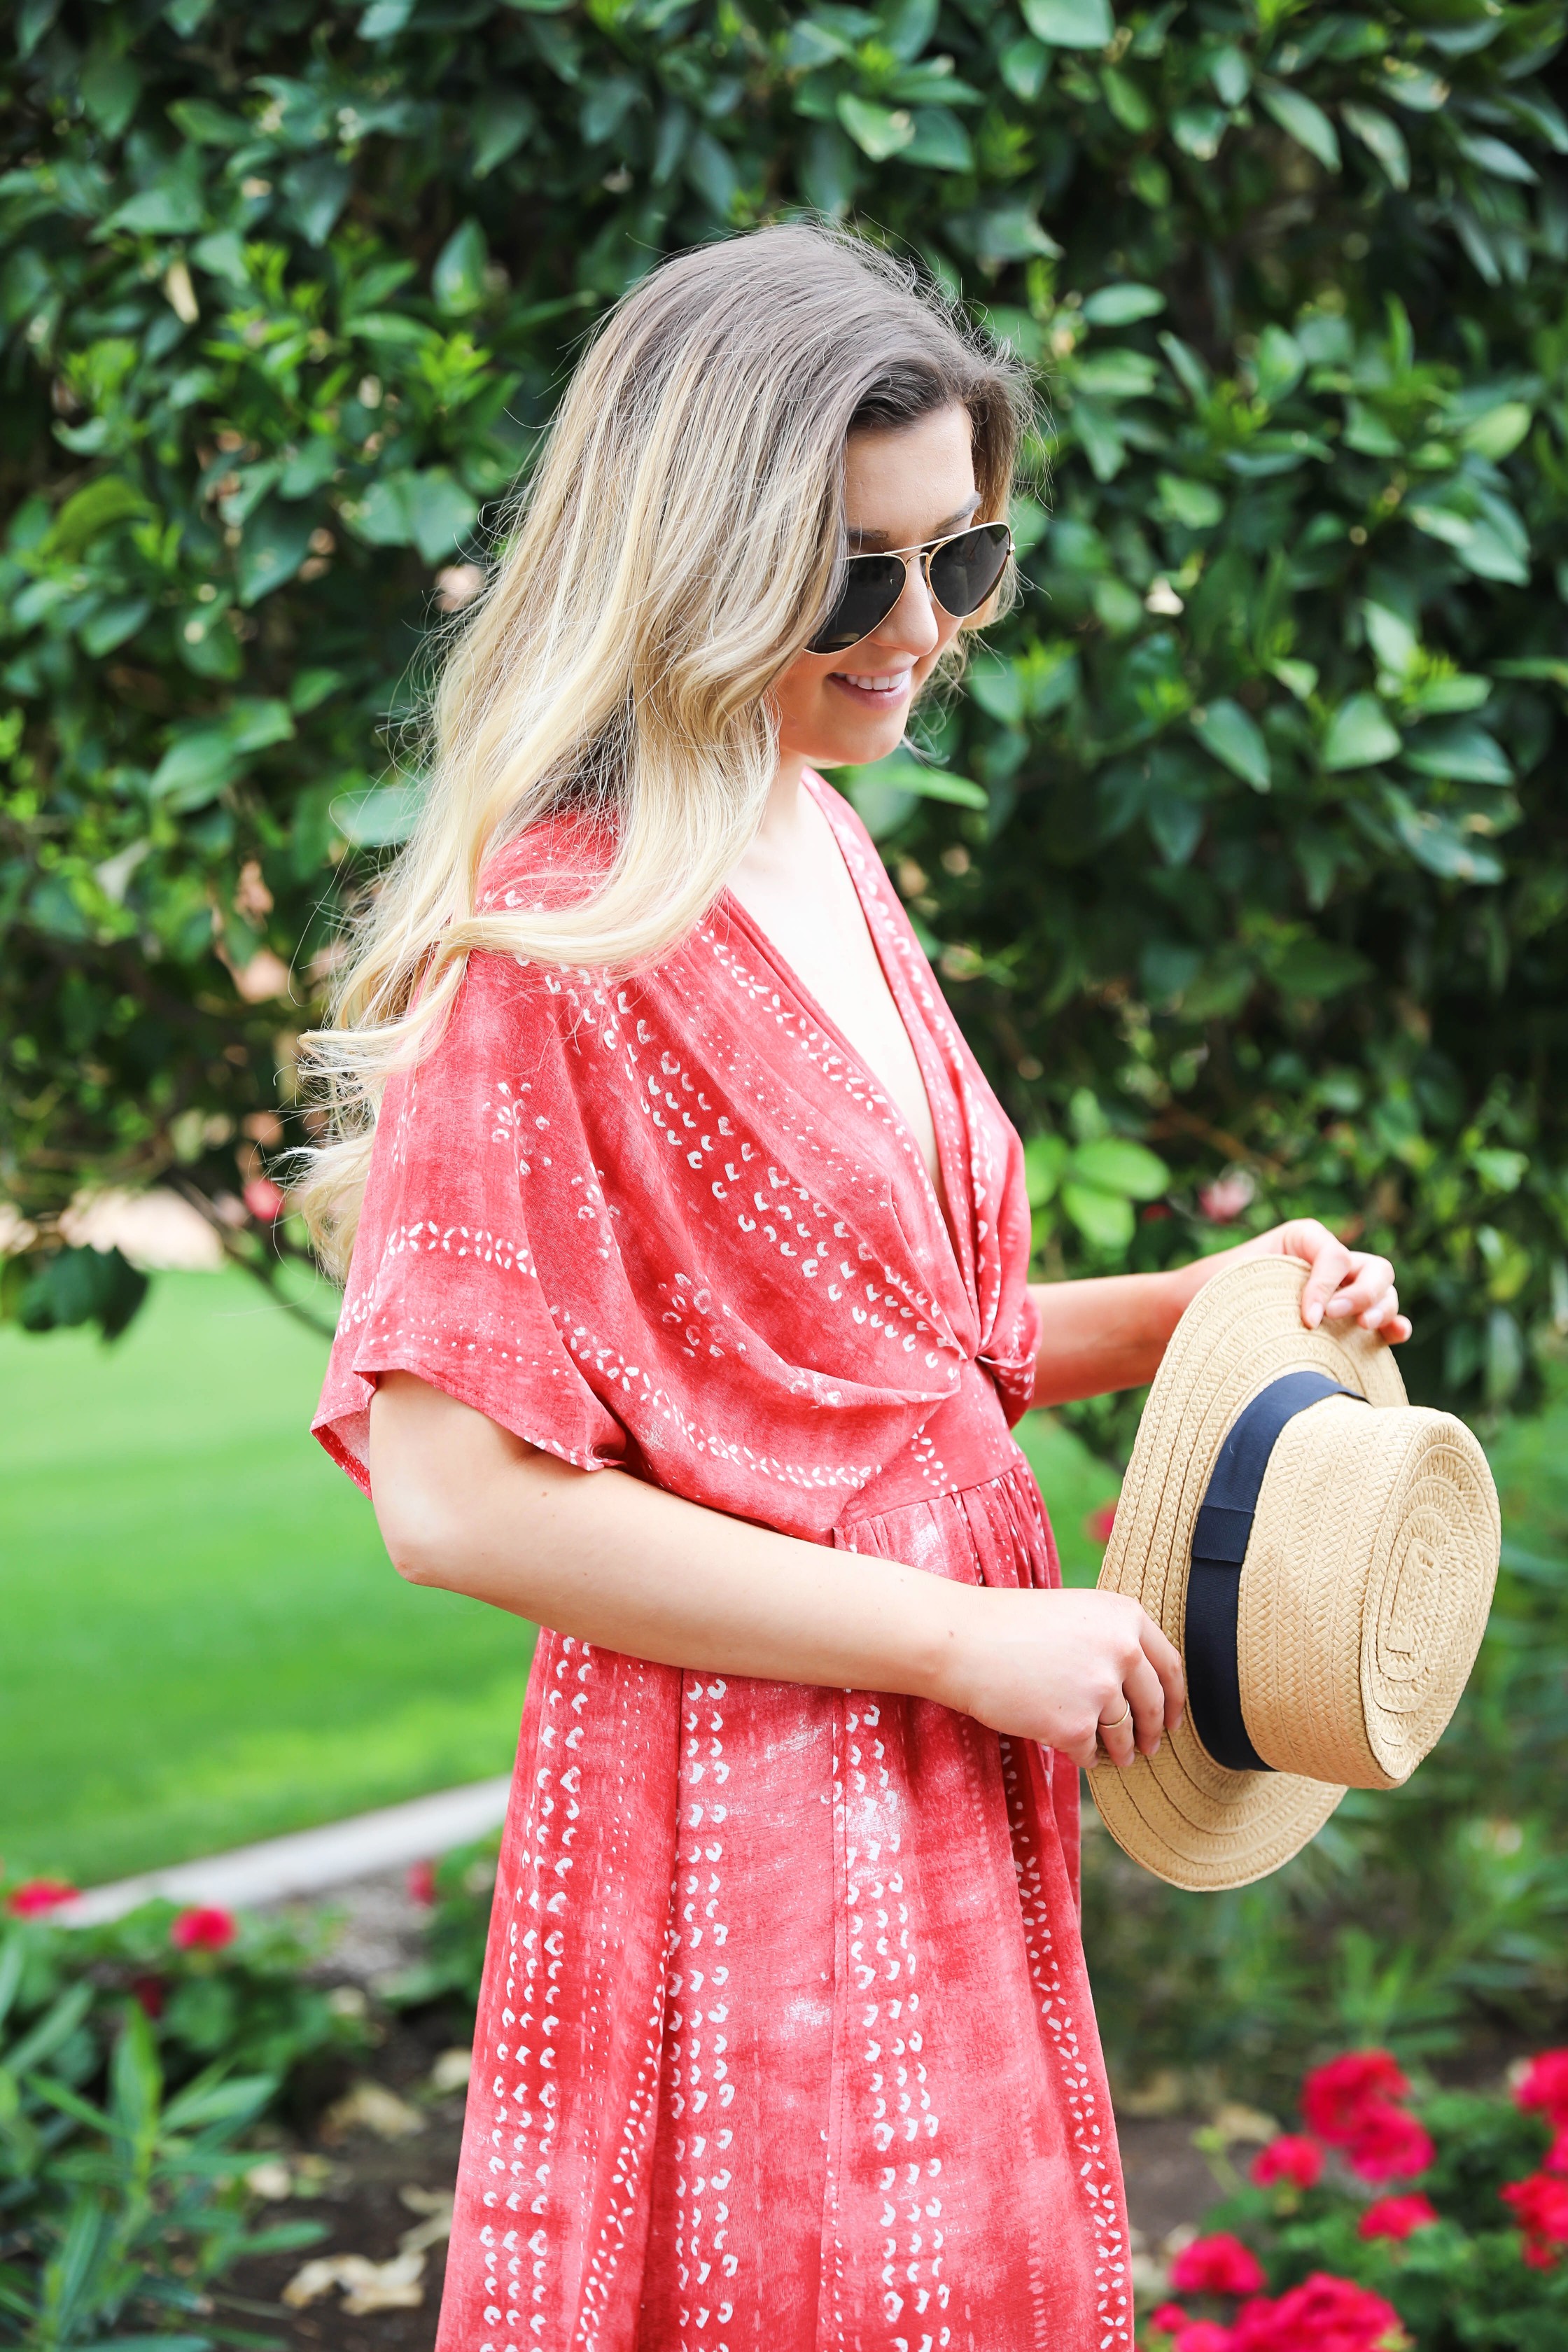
x,y
688,1316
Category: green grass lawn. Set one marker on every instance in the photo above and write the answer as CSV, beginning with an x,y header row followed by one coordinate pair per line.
x,y
203,1641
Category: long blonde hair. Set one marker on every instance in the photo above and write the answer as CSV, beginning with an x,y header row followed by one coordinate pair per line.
x,y
664,564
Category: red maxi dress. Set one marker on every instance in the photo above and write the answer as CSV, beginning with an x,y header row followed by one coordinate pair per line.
x,y
785,2042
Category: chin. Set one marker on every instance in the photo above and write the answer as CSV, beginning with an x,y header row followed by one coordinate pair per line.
x,y
859,747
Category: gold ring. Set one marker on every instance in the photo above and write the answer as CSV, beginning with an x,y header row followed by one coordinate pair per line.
x,y
1120,1720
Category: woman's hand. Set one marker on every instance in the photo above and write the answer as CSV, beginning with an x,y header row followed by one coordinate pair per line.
x,y
1077,1671
1343,1282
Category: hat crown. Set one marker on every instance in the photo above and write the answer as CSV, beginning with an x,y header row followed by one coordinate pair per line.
x,y
1364,1591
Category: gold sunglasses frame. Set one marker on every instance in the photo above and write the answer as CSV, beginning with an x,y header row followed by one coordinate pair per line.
x,y
927,550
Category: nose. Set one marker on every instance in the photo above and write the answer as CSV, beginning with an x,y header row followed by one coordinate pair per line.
x,y
914,625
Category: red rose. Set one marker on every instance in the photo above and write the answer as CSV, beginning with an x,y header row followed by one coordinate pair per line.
x,y
1556,2156
421,1882
203,1928
1170,2316
1323,2314
1545,2086
1389,2145
36,1895
1397,2217
148,1992
1204,2336
1291,2158
1335,2098
264,1201
1216,2265
1540,2205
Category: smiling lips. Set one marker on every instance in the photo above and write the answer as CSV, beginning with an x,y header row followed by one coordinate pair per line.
x,y
876,691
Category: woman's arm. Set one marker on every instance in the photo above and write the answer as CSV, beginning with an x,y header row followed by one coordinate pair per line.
x,y
1110,1334
465,1505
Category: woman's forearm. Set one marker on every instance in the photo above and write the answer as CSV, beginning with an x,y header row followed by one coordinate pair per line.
x,y
1108,1333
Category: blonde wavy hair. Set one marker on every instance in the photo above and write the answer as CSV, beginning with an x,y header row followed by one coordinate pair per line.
x,y
662,565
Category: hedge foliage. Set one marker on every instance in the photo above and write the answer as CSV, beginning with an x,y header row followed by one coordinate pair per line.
x,y
1269,870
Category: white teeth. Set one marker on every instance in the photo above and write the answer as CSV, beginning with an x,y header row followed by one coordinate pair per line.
x,y
895,681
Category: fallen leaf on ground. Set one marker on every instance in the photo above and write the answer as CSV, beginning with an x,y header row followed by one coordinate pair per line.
x,y
371,2106
452,2069
368,2287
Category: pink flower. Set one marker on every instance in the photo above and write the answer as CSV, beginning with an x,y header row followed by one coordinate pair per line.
x,y
1397,2217
1545,2086
1227,1196
1323,2314
1389,2145
36,1895
264,1199
1097,1524
1556,2156
1204,2335
1216,2265
1335,2098
1169,2317
1540,2205
421,1882
1291,2158
203,1928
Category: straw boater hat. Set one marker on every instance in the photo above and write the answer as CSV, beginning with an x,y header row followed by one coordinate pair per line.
x,y
1320,1551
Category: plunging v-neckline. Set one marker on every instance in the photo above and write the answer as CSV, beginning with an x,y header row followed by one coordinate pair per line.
x,y
940,1197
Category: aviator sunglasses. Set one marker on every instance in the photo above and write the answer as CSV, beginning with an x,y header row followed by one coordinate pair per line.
x,y
961,572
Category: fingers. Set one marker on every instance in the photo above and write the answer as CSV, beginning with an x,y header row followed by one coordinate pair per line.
x,y
1331,1263
1133,1721
1346,1286
1165,1661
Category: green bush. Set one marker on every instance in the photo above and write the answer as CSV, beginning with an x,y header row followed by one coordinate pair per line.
x,y
1260,860
121,2211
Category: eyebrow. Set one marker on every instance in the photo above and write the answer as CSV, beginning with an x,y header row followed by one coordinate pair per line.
x,y
877,542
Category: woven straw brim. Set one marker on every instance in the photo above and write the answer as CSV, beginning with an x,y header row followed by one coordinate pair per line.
x,y
1181,1815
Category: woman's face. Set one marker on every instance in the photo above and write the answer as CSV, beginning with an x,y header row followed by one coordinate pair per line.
x,y
900,490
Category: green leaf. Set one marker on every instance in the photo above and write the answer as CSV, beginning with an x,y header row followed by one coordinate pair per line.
x,y
1045,1158
1496,157
1070,24
379,818
905,773
1105,1220
1498,433
1462,752
941,141
1113,1164
108,500
1360,734
1304,119
1383,137
1235,740
878,130
1319,969
276,542
440,510
1122,304
502,120
1196,506
457,280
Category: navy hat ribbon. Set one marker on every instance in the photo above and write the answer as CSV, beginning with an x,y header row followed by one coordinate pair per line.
x,y
1220,1537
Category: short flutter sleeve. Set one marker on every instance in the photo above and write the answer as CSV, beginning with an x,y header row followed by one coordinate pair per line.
x,y
444,1281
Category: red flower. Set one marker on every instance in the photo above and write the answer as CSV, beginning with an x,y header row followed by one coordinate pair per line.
x,y
1556,2156
1389,2145
1291,2158
264,1199
421,1882
1539,2206
1204,2336
1335,2098
203,1928
1397,2217
1226,1197
1323,2314
148,1992
36,1895
1545,2086
1170,2316
1216,2265
1097,1524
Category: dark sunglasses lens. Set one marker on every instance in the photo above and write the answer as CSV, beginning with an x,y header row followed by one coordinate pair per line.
x,y
964,571
872,586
